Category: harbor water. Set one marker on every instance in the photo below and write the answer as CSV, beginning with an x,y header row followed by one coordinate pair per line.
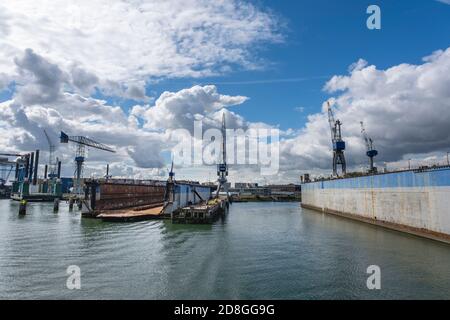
x,y
258,251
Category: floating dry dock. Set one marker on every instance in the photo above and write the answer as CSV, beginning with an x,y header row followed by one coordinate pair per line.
x,y
122,197
413,201
125,200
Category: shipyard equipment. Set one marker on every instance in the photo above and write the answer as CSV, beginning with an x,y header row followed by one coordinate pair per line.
x,y
52,162
338,143
222,168
6,167
169,194
22,164
107,175
26,185
371,152
80,154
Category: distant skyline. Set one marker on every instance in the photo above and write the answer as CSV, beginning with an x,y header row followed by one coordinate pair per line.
x,y
130,77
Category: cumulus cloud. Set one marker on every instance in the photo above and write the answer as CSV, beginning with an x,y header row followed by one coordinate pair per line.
x,y
179,110
144,154
58,53
83,80
132,133
42,79
406,110
127,42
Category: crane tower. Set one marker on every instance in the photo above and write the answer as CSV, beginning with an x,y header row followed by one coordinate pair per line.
x,y
80,155
338,143
371,152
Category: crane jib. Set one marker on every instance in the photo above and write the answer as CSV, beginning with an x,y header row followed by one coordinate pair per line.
x,y
85,141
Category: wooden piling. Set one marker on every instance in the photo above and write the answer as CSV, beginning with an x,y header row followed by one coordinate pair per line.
x,y
23,208
56,205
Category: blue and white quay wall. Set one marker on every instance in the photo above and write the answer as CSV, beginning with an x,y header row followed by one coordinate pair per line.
x,y
412,201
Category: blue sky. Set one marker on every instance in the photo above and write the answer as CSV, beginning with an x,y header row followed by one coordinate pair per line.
x,y
323,37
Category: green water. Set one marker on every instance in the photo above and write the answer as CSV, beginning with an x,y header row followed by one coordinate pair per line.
x,y
259,251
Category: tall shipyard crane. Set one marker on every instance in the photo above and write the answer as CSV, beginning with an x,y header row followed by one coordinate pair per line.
x,y
222,168
371,152
338,143
80,154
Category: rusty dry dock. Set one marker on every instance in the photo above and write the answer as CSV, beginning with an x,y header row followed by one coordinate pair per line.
x,y
121,199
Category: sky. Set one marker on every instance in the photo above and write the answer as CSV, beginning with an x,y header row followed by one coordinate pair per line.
x,y
133,76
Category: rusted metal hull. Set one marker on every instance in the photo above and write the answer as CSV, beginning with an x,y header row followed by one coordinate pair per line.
x,y
109,195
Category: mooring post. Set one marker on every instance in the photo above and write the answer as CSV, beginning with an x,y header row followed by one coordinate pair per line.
x,y
23,208
71,204
56,205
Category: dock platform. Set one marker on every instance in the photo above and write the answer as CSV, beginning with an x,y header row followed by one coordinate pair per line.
x,y
132,214
35,197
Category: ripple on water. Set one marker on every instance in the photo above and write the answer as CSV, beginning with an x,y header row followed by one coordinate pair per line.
x,y
260,251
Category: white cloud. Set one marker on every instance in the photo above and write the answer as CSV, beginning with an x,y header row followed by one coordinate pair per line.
x,y
178,110
59,52
126,42
406,110
133,134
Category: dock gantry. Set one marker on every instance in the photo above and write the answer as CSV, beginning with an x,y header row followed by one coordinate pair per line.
x,y
338,143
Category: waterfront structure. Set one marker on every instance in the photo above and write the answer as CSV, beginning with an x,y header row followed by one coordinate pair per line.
x,y
337,142
253,192
413,201
107,195
244,185
27,185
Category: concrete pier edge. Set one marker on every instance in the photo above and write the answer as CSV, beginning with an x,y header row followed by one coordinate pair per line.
x,y
436,236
